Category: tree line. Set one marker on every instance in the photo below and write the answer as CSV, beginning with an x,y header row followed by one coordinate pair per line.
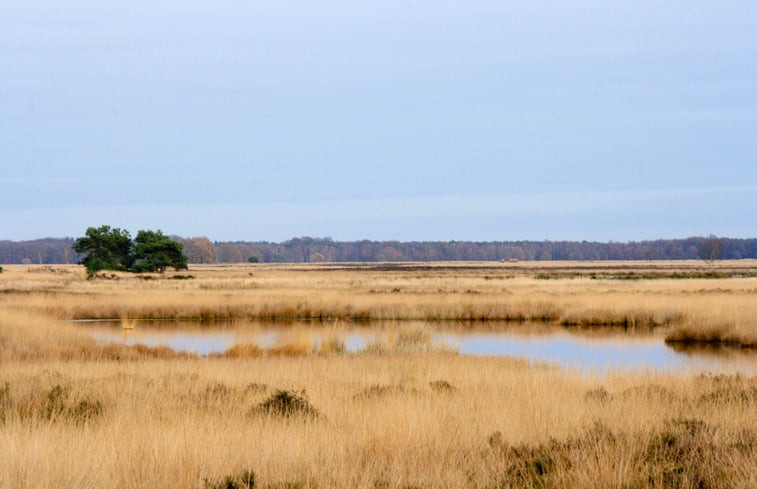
x,y
313,250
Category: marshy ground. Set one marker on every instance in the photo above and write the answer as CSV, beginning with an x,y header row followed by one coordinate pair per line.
x,y
76,413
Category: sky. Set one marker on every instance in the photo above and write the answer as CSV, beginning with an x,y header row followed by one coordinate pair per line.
x,y
385,120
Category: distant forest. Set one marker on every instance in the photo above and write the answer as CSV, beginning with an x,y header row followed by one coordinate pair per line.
x,y
306,249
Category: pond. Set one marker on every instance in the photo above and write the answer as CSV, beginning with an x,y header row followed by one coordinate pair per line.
x,y
592,349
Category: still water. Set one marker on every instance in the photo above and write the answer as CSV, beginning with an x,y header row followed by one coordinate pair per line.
x,y
597,349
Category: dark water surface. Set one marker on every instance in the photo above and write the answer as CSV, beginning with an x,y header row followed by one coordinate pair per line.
x,y
596,349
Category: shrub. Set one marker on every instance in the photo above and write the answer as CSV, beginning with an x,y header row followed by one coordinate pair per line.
x,y
599,394
55,406
286,404
442,387
681,453
86,410
245,480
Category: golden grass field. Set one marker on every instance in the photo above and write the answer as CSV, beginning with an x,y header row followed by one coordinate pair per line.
x,y
74,413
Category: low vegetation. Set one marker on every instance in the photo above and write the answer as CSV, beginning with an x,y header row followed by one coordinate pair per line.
x,y
76,413
686,309
286,404
370,421
715,333
244,480
682,452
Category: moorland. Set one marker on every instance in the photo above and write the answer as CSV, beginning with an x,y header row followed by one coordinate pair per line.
x,y
78,413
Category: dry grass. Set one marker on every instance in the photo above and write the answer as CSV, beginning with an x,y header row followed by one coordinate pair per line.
x,y
177,423
716,332
74,413
441,292
29,337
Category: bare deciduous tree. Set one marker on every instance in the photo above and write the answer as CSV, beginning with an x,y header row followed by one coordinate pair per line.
x,y
711,249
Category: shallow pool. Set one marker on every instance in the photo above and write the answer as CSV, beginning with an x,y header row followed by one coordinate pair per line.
x,y
592,349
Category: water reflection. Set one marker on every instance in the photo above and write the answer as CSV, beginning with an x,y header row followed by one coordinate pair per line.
x,y
594,349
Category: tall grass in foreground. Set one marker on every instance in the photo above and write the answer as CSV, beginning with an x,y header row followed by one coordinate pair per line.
x,y
370,421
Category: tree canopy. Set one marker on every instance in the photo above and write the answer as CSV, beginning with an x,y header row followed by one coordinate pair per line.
x,y
154,252
199,250
107,248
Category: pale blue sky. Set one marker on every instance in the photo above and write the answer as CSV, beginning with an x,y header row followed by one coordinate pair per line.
x,y
480,120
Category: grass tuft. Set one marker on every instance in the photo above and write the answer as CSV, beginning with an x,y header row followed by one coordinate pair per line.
x,y
599,395
442,387
242,350
713,335
55,406
255,388
284,403
245,480
383,391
